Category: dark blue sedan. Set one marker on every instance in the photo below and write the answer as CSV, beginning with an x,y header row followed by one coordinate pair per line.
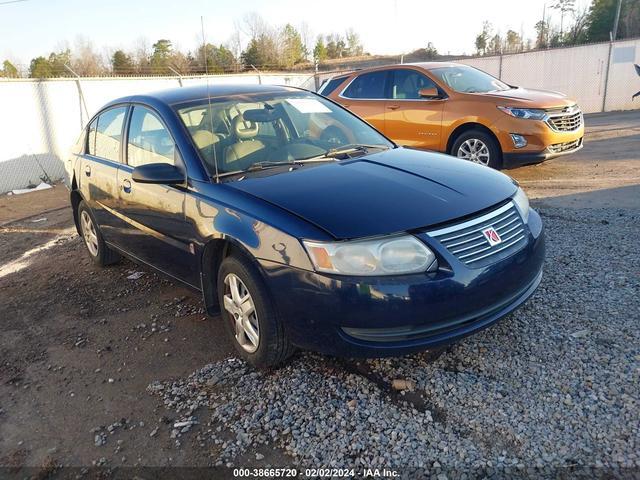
x,y
300,224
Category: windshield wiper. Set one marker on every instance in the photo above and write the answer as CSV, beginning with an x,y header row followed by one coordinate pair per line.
x,y
266,164
255,167
346,149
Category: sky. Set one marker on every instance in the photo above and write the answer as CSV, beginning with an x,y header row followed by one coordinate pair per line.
x,y
36,27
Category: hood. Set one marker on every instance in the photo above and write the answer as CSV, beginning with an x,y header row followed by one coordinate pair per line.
x,y
523,97
388,192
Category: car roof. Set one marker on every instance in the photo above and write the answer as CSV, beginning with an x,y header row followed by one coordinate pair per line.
x,y
187,94
423,65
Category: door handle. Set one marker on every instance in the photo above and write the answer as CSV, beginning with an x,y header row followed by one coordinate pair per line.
x,y
393,107
87,170
126,185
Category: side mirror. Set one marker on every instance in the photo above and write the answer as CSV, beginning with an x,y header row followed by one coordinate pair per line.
x,y
429,92
159,173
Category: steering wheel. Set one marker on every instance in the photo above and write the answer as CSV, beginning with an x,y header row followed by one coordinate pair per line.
x,y
333,136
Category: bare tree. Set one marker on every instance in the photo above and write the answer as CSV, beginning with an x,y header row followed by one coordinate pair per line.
x,y
578,31
235,40
86,61
307,38
565,6
254,25
142,55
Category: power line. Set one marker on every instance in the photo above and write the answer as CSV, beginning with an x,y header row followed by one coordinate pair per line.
x,y
12,1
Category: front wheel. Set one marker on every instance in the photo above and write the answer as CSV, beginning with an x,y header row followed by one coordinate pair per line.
x,y
478,147
249,316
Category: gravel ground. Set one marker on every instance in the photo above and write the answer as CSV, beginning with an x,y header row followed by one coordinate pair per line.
x,y
551,390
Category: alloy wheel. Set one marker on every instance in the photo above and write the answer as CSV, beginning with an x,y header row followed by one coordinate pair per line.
x,y
89,233
475,151
239,303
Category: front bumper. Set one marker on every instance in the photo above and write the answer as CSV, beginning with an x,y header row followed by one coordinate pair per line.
x,y
543,142
518,159
389,316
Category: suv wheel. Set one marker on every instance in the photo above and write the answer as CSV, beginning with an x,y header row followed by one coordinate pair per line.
x,y
99,252
249,316
478,147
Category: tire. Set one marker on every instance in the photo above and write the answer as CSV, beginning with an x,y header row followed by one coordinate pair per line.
x,y
99,252
487,151
272,347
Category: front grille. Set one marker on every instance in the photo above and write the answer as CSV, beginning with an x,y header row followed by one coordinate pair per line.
x,y
565,147
566,120
467,242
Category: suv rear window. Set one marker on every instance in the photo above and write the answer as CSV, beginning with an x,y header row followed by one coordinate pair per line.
x,y
367,85
328,87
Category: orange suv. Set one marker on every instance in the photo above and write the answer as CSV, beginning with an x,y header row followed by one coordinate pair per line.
x,y
462,111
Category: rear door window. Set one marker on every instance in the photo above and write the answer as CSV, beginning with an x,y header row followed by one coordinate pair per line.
x,y
149,141
367,86
406,84
105,134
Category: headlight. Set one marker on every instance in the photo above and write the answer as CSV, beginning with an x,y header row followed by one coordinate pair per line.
x,y
522,203
527,113
382,256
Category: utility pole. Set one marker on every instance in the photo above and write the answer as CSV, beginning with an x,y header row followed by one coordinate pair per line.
x,y
615,21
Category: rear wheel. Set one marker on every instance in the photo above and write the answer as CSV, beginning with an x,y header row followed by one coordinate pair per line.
x,y
249,316
478,147
99,252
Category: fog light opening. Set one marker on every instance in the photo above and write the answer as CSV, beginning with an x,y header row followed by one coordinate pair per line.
x,y
518,140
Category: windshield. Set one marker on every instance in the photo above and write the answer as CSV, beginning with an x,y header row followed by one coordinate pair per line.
x,y
468,79
258,130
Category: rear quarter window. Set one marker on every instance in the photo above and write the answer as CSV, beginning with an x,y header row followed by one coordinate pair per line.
x,y
330,86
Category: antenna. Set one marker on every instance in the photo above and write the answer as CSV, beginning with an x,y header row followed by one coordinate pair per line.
x,y
210,112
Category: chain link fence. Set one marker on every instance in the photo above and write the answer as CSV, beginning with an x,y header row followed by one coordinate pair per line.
x,y
41,118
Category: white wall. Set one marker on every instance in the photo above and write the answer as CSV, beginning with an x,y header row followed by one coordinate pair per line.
x,y
580,72
41,119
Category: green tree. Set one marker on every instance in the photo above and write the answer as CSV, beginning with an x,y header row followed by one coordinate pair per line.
x,y
320,50
542,34
336,46
601,17
261,52
122,63
58,61
160,58
431,52
9,70
513,41
40,68
482,39
354,47
293,50
219,59
495,45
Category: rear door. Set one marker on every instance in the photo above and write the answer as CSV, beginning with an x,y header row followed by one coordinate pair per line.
x,y
411,120
365,96
157,232
99,168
